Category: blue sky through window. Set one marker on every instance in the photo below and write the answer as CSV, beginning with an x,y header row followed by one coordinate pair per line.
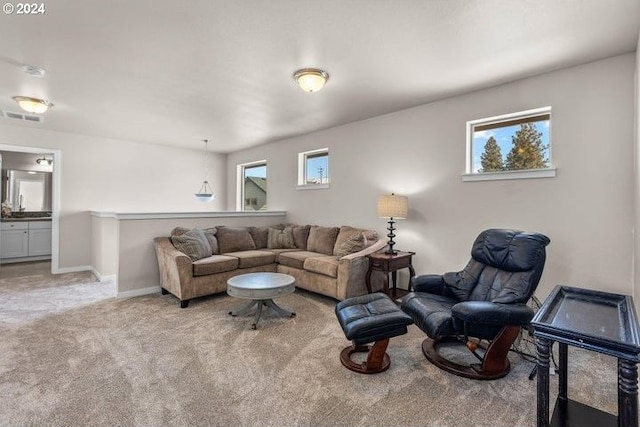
x,y
503,138
256,171
314,167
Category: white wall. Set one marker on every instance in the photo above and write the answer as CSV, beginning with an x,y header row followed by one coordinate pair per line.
x,y
636,218
115,175
587,210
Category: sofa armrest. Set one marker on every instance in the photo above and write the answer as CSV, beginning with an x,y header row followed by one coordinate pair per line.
x,y
380,244
352,270
176,270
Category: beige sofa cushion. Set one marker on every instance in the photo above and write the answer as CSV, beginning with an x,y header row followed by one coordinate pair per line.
x,y
259,236
214,264
210,234
296,259
280,239
327,265
300,236
248,259
234,239
277,252
349,240
192,243
322,239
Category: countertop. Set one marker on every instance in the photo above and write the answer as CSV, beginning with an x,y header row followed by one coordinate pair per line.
x,y
44,218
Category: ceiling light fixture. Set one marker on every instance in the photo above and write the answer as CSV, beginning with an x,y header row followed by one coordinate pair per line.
x,y
205,194
311,79
33,105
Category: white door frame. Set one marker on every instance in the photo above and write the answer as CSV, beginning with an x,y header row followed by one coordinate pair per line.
x,y
55,196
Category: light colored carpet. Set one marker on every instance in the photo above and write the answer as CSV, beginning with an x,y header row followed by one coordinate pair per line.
x,y
73,356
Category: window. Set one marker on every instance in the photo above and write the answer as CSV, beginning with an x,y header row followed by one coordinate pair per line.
x,y
252,186
313,169
511,146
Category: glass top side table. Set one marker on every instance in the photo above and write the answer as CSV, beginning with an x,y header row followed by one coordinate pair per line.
x,y
597,321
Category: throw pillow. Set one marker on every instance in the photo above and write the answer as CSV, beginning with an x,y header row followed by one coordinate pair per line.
x,y
352,244
281,239
234,239
179,231
346,233
193,243
210,234
322,239
261,234
300,236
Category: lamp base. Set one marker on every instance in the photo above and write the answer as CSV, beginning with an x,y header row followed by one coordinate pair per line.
x,y
391,235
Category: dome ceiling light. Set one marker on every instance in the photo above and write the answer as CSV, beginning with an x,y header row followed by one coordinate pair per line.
x,y
311,79
33,105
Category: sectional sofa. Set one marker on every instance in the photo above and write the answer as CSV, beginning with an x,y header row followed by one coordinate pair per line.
x,y
327,260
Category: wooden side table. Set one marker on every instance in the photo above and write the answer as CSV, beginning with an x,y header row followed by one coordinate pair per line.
x,y
597,321
390,263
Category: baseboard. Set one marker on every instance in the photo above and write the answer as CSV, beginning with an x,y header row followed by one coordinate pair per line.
x,y
106,277
138,292
72,269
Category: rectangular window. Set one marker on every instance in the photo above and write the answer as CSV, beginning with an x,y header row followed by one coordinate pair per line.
x,y
252,186
516,145
313,169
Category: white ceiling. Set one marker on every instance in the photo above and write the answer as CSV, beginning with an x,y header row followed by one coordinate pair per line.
x,y
175,72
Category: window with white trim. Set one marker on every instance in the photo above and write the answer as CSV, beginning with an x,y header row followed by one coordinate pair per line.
x,y
313,169
252,186
516,145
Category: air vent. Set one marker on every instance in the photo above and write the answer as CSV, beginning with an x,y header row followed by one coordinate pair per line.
x,y
33,118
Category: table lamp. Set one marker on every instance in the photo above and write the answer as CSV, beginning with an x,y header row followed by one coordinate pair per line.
x,y
393,207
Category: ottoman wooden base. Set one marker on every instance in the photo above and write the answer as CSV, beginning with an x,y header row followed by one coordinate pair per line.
x,y
377,360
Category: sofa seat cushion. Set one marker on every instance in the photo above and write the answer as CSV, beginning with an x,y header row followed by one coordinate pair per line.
x,y
327,265
248,259
296,259
277,252
214,264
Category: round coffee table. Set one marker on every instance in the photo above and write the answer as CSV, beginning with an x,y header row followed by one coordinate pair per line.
x,y
260,288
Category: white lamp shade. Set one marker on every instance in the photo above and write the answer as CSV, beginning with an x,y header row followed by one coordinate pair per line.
x,y
393,206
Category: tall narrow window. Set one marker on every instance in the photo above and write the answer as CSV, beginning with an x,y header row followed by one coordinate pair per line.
x,y
252,186
516,145
313,169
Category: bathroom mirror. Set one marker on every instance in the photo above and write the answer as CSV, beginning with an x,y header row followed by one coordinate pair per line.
x,y
28,191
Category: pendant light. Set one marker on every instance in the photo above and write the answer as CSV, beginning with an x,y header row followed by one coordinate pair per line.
x,y
205,194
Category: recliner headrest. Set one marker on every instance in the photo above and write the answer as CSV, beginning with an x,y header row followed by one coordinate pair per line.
x,y
510,250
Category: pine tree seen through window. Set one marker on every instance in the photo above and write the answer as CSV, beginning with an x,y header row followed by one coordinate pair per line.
x,y
516,142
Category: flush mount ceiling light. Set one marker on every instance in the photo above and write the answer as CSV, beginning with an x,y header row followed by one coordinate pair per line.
x,y
33,105
205,194
311,79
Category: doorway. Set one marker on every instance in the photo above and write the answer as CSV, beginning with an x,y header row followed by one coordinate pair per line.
x,y
43,241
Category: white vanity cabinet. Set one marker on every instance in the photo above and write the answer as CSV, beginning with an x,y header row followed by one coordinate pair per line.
x,y
25,240
14,239
39,238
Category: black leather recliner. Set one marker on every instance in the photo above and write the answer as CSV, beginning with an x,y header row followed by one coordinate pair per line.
x,y
483,305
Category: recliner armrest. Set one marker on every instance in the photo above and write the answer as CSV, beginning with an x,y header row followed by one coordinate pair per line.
x,y
490,313
431,283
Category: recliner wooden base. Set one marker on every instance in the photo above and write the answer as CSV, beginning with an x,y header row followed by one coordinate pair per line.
x,y
495,363
377,360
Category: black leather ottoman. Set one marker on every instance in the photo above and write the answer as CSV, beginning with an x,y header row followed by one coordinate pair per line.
x,y
366,319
